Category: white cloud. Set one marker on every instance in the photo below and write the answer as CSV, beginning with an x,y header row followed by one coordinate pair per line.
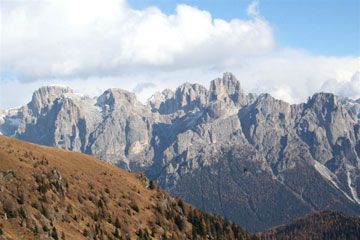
x,y
140,87
298,73
349,88
94,45
67,38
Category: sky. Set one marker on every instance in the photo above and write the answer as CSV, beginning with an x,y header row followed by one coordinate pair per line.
x,y
290,49
330,27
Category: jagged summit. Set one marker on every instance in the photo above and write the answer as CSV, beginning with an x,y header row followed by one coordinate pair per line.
x,y
45,96
322,98
186,97
54,88
115,96
157,101
189,96
227,89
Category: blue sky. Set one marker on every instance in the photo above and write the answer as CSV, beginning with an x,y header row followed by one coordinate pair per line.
x,y
328,27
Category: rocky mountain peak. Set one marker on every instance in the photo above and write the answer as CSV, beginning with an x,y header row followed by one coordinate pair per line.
x,y
44,97
187,97
191,95
268,104
325,105
116,97
158,99
188,88
353,106
227,89
322,98
167,93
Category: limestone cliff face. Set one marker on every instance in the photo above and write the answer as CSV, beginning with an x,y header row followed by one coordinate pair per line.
x,y
124,134
225,151
187,97
228,90
44,98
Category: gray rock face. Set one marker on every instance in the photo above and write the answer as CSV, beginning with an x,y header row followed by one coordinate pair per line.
x,y
227,89
44,98
254,159
123,136
187,97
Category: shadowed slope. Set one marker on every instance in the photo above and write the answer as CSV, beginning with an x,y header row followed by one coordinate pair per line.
x,y
322,225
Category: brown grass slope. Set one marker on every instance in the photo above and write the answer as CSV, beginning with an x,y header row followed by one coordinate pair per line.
x,y
46,193
322,225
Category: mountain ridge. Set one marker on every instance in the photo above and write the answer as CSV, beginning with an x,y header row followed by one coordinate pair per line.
x,y
307,153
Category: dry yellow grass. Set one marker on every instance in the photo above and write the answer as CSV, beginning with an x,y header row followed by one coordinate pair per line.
x,y
47,193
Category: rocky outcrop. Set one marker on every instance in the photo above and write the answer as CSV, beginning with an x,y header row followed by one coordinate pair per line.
x,y
124,134
228,90
225,151
43,99
187,97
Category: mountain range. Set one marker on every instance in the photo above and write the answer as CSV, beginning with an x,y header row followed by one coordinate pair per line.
x,y
253,159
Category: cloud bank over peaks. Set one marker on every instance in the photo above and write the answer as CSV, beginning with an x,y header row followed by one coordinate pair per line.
x,y
349,89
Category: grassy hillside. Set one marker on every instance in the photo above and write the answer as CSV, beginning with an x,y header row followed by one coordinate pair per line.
x,y
46,193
